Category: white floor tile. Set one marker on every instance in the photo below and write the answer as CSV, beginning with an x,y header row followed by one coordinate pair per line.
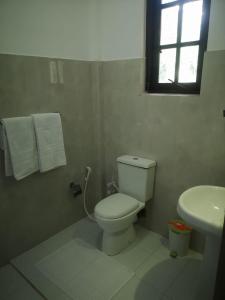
x,y
88,231
111,278
147,239
14,287
77,270
194,254
160,270
66,262
132,257
136,289
84,229
145,244
82,292
85,276
185,285
167,298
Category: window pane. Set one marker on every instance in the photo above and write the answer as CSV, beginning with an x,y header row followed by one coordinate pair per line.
x,y
167,1
167,60
169,18
188,64
191,25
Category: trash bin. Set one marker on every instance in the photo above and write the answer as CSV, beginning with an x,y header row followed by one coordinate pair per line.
x,y
179,237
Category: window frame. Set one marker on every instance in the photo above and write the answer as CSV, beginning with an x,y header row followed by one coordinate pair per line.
x,y
153,47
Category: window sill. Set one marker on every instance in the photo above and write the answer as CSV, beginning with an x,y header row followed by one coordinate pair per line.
x,y
170,94
144,93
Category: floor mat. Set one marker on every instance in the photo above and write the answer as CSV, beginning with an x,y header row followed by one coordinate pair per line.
x,y
82,272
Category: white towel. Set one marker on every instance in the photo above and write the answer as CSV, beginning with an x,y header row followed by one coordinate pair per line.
x,y
49,134
4,146
20,147
1,137
7,160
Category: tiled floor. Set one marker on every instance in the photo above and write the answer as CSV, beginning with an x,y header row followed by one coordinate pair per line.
x,y
14,287
155,276
80,270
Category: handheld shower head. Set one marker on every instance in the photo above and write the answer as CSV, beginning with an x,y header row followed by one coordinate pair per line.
x,y
88,172
86,178
88,169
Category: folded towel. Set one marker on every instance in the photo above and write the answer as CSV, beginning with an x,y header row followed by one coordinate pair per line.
x,y
49,134
4,146
20,147
1,137
7,160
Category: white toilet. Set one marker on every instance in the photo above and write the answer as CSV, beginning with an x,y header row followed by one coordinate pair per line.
x,y
117,213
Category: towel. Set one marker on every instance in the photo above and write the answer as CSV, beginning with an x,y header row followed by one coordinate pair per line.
x,y
20,149
49,135
1,136
5,148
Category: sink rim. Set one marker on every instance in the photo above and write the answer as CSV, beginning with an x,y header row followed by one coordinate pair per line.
x,y
200,222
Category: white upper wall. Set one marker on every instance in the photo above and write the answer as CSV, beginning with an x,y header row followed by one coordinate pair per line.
x,y
216,39
85,29
122,29
52,28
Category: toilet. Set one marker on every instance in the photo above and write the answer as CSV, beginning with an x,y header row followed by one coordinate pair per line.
x,y
116,213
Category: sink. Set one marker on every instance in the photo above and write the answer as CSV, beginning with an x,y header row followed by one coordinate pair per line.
x,y
203,207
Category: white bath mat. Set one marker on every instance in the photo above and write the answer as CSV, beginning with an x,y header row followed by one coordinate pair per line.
x,y
83,272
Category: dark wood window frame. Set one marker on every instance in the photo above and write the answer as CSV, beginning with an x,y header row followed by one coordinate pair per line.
x,y
153,47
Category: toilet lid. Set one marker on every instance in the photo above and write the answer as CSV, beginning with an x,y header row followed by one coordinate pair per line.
x,y
116,206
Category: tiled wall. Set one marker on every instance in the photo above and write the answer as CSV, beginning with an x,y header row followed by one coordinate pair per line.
x,y
105,113
184,134
40,205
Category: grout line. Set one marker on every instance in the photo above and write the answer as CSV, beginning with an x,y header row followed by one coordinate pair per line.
x,y
28,281
119,289
151,254
144,261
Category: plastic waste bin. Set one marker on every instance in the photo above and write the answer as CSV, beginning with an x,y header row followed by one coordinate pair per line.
x,y
179,238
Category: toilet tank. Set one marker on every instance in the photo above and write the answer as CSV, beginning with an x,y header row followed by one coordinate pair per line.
x,y
136,176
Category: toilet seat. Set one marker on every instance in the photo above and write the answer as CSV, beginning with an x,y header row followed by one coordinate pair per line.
x,y
116,206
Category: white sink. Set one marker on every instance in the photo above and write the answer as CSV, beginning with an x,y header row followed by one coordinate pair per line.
x,y
203,208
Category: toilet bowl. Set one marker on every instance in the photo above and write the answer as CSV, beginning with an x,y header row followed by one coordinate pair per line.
x,y
116,213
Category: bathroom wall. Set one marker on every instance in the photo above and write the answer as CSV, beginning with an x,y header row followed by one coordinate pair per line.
x,y
216,39
49,28
121,29
33,209
125,38
184,134
89,30
31,33
104,111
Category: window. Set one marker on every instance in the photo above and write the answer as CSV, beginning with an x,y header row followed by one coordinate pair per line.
x,y
176,38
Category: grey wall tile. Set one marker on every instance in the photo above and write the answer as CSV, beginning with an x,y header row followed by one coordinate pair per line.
x,y
184,134
105,113
37,207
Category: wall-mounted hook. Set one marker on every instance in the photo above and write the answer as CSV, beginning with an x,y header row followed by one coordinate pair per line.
x,y
76,189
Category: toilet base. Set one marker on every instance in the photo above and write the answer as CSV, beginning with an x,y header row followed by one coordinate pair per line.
x,y
114,242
